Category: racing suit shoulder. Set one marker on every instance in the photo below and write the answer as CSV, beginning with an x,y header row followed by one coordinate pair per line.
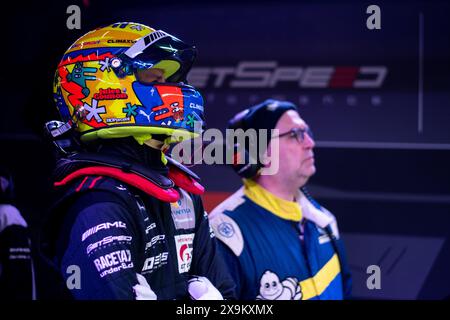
x,y
10,215
98,230
103,244
101,234
225,227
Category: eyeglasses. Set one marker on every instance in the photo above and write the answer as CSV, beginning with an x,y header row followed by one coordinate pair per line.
x,y
298,133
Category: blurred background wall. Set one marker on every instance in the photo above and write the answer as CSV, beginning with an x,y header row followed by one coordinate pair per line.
x,y
378,102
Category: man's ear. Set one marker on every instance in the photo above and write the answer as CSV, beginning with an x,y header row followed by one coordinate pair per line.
x,y
265,158
270,159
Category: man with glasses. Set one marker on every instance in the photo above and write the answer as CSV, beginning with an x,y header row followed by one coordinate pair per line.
x,y
280,244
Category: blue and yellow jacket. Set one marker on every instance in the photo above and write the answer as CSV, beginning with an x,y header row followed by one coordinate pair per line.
x,y
281,250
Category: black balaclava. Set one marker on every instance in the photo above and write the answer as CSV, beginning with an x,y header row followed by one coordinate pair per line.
x,y
130,149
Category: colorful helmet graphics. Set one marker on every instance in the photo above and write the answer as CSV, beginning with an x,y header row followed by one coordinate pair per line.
x,y
97,87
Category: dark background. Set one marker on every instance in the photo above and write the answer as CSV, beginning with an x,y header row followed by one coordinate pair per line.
x,y
382,154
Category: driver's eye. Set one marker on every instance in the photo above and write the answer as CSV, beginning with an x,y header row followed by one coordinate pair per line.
x,y
274,284
147,76
266,285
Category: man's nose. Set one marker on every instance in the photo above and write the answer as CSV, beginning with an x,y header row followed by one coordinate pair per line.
x,y
309,141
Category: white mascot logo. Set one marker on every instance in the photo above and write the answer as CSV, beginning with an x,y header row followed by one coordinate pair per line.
x,y
272,289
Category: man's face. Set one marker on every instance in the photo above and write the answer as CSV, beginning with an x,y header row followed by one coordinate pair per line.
x,y
296,157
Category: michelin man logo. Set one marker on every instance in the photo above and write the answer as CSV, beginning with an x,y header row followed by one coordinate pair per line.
x,y
272,289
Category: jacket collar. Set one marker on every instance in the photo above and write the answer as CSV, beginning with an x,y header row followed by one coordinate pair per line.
x,y
288,210
320,217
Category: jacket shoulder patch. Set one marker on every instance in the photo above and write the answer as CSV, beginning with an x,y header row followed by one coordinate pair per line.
x,y
228,231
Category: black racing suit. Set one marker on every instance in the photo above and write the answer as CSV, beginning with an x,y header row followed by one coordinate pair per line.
x,y
104,232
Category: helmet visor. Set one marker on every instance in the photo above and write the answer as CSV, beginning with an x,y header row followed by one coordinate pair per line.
x,y
164,51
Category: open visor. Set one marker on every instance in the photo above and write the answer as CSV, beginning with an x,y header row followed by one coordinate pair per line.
x,y
164,51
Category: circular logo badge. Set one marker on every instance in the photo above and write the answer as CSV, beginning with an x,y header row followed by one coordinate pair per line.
x,y
226,229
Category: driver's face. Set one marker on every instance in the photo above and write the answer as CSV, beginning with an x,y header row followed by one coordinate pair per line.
x,y
151,75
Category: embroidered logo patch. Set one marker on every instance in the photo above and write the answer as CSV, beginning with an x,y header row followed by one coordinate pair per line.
x,y
183,213
184,244
271,288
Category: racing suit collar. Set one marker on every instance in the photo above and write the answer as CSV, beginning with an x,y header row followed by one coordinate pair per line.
x,y
288,210
135,180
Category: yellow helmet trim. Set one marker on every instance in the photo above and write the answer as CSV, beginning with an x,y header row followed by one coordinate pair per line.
x,y
141,134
